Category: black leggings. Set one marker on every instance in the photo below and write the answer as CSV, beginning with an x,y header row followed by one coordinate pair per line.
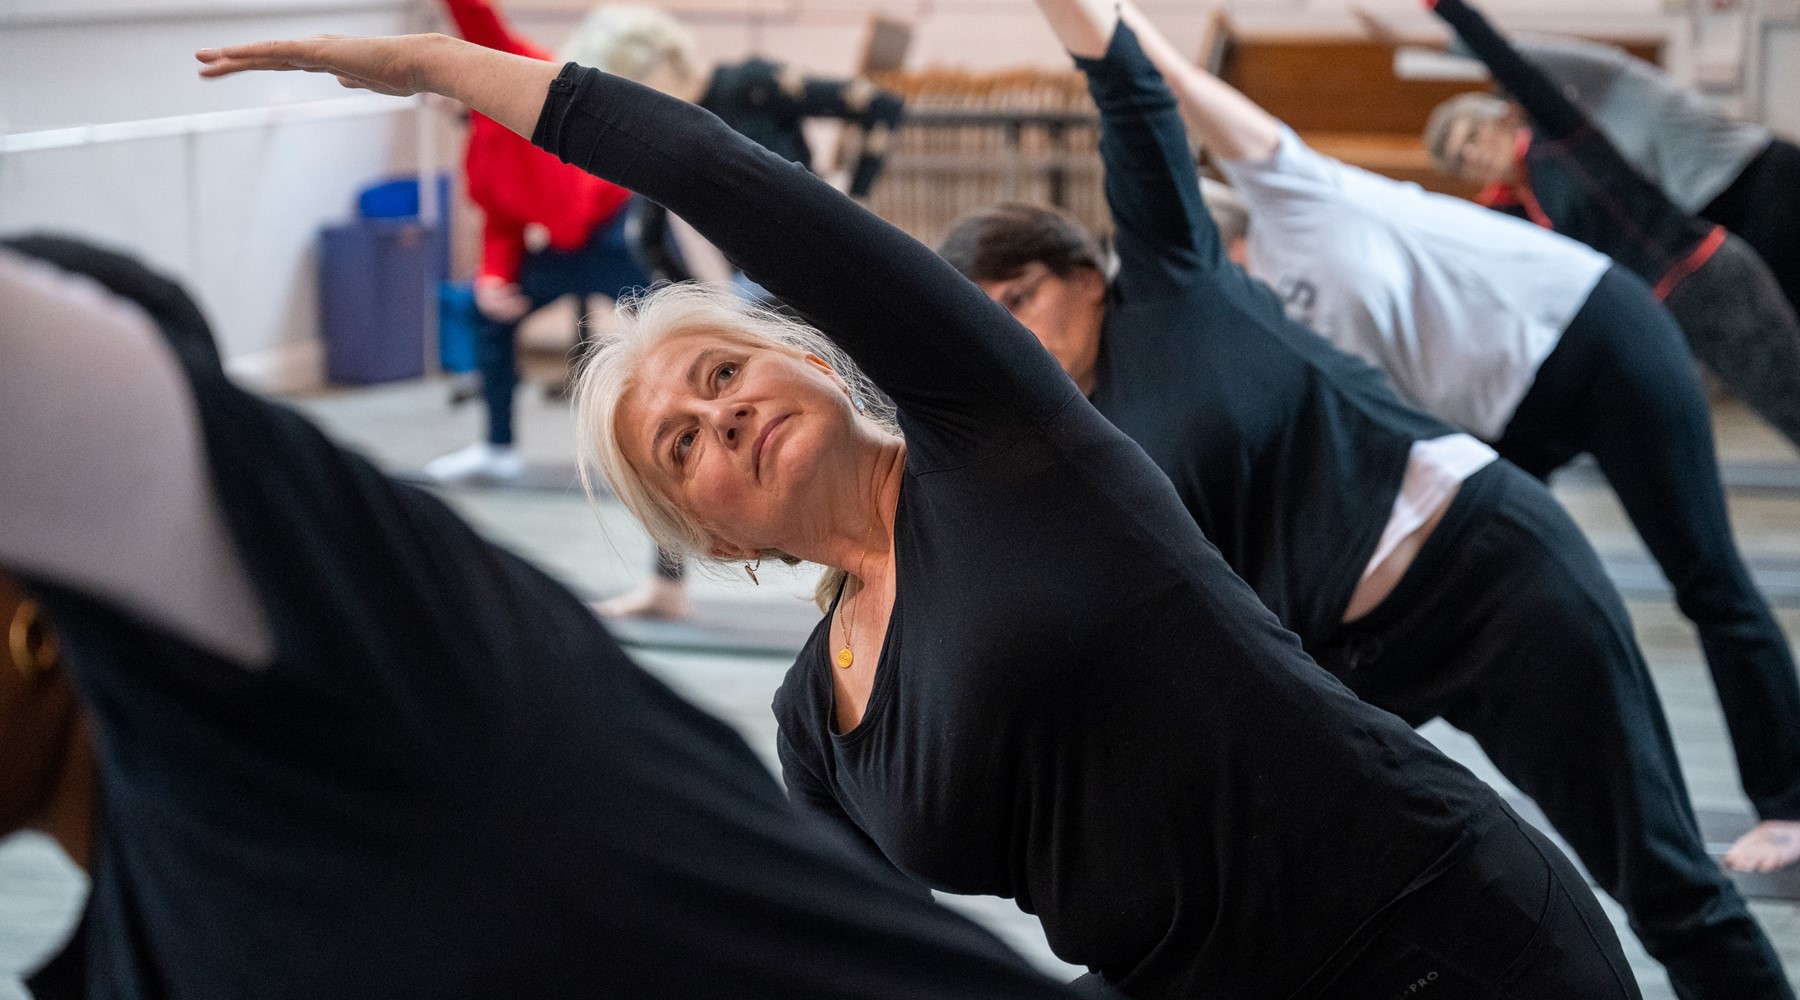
x,y
1506,626
1740,325
1541,937
1763,207
1620,386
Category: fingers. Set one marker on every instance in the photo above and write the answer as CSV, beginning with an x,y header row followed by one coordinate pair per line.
x,y
244,58
279,55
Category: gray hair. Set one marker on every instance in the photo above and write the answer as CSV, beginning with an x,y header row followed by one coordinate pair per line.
x,y
1475,106
610,369
633,42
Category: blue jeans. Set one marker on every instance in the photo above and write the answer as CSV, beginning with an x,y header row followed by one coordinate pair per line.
x,y
602,265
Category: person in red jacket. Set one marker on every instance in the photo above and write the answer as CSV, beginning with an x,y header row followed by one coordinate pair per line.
x,y
551,230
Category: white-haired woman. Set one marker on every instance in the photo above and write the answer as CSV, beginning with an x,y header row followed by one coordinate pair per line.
x,y
771,103
1036,678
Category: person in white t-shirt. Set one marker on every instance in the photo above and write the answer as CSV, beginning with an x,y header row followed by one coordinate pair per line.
x,y
1540,346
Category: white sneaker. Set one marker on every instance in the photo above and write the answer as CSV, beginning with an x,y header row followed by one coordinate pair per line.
x,y
480,460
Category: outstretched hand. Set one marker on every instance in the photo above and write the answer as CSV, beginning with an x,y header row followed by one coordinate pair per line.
x,y
384,65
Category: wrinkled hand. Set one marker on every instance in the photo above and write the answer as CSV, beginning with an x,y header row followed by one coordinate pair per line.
x,y
500,301
384,65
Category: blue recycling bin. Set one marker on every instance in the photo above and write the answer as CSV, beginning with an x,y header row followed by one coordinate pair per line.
x,y
459,324
374,277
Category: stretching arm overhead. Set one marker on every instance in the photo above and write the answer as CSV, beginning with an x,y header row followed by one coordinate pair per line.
x,y
1228,124
1164,235
931,339
1552,113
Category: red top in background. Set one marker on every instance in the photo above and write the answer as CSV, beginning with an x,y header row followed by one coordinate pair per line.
x,y
515,183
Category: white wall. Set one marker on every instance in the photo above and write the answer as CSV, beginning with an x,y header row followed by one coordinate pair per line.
x,y
234,214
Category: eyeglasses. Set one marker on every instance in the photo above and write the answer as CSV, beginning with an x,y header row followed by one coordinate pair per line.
x,y
1019,296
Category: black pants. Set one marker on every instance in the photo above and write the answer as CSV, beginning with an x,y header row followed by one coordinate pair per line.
x,y
1763,207
1541,935
604,266
1507,627
1739,324
1620,386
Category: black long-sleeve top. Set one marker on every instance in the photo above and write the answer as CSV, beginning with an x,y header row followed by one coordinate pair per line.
x,y
1576,181
449,782
770,102
1287,451
1078,705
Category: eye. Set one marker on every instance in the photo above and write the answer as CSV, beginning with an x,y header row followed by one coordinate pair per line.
x,y
684,442
725,372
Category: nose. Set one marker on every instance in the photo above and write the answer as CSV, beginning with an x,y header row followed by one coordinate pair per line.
x,y
730,422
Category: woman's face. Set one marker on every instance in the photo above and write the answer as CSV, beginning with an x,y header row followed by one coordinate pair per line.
x,y
744,438
1482,151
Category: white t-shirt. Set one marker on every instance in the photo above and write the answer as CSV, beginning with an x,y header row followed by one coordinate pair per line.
x,y
1457,303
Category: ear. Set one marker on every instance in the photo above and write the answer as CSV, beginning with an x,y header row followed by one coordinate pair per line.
x,y
820,363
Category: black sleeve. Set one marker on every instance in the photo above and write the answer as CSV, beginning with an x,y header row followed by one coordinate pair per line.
x,y
1551,113
954,362
1164,235
877,115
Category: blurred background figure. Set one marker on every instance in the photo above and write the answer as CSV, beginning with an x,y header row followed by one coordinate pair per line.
x,y
549,230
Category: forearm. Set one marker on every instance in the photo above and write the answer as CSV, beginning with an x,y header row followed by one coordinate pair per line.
x,y
1085,27
1550,112
1228,124
1162,231
508,88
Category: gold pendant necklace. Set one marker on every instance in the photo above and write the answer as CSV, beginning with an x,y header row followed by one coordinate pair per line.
x,y
846,656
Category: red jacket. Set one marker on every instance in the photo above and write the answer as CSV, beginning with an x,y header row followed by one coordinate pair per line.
x,y
515,183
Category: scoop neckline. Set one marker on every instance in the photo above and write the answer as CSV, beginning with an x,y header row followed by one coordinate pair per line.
x,y
886,664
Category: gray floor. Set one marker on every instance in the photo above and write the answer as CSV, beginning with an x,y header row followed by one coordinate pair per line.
x,y
599,551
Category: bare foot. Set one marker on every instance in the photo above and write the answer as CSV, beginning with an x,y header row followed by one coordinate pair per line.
x,y
661,599
1770,846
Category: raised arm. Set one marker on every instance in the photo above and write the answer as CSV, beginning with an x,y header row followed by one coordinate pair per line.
x,y
1228,124
927,336
1163,232
1550,112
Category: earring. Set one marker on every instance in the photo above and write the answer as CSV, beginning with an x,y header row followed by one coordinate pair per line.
x,y
858,402
751,570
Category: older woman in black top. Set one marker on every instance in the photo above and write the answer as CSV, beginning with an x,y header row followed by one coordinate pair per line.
x,y
1038,679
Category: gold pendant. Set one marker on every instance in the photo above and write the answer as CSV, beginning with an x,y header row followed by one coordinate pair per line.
x,y
845,658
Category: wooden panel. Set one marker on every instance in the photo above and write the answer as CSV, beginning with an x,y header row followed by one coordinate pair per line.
x,y
1339,91
1335,84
